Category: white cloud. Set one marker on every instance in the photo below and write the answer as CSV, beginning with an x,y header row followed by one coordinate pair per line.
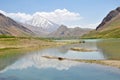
x,y
20,17
3,12
60,16
93,26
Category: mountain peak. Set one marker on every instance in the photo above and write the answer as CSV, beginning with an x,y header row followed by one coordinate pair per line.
x,y
63,27
118,9
65,32
43,23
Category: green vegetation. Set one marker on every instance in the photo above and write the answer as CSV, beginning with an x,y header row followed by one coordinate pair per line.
x,y
113,33
111,48
6,36
115,23
110,30
9,56
11,45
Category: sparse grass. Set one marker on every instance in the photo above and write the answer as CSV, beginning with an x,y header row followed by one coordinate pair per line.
x,y
112,33
6,36
11,45
110,30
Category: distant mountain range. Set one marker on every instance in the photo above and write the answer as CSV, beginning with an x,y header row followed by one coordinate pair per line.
x,y
42,27
65,32
108,28
39,27
10,27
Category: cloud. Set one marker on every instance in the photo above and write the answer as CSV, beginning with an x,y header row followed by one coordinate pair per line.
x,y
59,16
20,17
93,25
3,12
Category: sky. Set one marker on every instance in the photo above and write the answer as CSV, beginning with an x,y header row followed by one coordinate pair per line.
x,y
73,13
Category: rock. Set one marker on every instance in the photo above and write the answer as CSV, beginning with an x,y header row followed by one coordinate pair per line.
x,y
54,57
60,58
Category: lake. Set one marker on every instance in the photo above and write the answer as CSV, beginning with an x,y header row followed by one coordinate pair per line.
x,y
33,66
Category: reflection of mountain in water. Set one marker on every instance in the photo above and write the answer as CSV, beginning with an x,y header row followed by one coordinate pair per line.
x,y
110,48
8,60
37,61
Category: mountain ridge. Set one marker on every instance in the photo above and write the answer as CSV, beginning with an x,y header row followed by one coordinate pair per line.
x,y
110,16
65,32
108,28
10,27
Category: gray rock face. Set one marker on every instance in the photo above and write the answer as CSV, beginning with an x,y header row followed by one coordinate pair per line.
x,y
64,32
109,17
10,27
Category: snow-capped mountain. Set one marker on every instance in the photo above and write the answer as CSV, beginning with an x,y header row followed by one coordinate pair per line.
x,y
43,23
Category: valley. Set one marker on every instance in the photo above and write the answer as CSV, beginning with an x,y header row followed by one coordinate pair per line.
x,y
59,45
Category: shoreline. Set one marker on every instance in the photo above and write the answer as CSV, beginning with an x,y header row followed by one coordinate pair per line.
x,y
11,46
112,63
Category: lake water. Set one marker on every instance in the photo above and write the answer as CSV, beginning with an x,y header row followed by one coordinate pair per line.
x,y
33,66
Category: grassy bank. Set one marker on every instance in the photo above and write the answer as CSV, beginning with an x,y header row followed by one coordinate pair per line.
x,y
114,33
14,45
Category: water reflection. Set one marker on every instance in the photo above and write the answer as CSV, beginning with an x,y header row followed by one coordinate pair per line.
x,y
33,66
110,48
9,60
37,61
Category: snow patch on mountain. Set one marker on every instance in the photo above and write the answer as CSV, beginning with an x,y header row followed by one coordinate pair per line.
x,y
43,23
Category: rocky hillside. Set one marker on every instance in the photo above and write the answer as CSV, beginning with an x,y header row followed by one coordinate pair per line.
x,y
10,27
112,20
109,27
65,32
